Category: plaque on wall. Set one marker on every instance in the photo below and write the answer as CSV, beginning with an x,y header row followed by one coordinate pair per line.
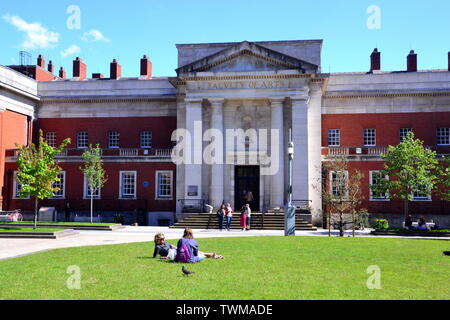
x,y
192,191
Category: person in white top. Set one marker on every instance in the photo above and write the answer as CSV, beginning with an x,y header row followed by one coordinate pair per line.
x,y
248,212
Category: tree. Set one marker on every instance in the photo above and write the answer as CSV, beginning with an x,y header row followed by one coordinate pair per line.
x,y
443,189
38,171
410,168
342,194
94,172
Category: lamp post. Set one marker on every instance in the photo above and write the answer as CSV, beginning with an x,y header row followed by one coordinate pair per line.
x,y
289,211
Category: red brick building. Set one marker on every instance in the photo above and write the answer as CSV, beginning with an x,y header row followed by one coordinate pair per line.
x,y
262,85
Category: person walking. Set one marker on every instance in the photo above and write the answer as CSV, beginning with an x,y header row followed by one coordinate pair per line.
x,y
243,219
229,216
248,213
221,216
67,212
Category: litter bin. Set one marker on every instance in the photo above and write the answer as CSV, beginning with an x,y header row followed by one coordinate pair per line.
x,y
47,214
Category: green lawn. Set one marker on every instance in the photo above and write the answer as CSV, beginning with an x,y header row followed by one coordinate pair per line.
x,y
40,230
58,223
254,268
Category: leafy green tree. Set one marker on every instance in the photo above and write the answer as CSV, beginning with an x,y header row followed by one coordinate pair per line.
x,y
411,168
38,171
94,172
443,189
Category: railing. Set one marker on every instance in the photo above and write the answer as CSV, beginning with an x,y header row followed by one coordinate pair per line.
x,y
165,153
375,151
129,152
192,205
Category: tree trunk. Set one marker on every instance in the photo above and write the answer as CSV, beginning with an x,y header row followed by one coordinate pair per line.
x,y
329,223
92,208
341,225
35,212
354,222
406,208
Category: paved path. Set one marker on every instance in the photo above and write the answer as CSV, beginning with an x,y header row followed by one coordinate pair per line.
x,y
10,248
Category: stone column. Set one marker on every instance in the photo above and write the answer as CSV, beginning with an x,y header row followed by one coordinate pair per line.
x,y
278,187
216,191
193,169
300,185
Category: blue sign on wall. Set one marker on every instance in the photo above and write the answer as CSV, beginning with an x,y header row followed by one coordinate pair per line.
x,y
146,184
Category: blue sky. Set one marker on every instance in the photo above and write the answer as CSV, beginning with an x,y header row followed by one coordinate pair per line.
x,y
128,29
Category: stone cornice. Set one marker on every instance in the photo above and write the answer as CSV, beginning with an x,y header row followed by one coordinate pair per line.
x,y
244,77
84,100
378,94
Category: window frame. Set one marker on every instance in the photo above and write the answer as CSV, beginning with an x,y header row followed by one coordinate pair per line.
x,y
79,146
372,198
428,198
86,195
63,196
158,196
141,139
407,130
117,140
438,136
366,137
338,137
121,194
346,196
16,188
51,141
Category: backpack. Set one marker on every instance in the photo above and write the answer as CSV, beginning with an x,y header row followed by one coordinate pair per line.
x,y
183,254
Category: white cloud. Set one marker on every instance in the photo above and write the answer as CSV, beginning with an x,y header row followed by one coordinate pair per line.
x,y
93,36
36,35
70,50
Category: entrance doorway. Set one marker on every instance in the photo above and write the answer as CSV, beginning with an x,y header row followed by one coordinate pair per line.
x,y
247,183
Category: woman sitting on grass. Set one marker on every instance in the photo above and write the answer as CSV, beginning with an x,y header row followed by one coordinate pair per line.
x,y
163,248
193,255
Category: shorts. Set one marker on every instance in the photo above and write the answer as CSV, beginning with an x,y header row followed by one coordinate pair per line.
x,y
172,254
201,256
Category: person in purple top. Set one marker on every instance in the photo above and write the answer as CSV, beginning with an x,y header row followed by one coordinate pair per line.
x,y
195,254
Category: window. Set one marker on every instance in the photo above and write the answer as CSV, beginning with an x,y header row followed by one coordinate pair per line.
x,y
423,194
50,137
82,140
146,139
339,180
370,137
87,190
61,185
375,177
404,133
443,136
17,187
164,184
114,139
128,184
334,137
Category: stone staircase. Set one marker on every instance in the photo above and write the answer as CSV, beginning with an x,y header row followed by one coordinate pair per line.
x,y
259,222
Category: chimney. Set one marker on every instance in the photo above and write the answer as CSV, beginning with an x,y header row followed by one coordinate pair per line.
x,y
375,60
51,67
62,73
115,70
412,61
146,68
449,61
97,76
41,61
79,69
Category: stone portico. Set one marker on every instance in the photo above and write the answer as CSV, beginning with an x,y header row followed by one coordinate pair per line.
x,y
251,86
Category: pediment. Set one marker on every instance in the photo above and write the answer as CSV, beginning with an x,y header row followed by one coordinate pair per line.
x,y
246,56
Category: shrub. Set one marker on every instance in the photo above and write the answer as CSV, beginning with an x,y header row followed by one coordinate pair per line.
x,y
381,224
119,219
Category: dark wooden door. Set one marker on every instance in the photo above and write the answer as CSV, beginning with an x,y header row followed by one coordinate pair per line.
x,y
247,180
